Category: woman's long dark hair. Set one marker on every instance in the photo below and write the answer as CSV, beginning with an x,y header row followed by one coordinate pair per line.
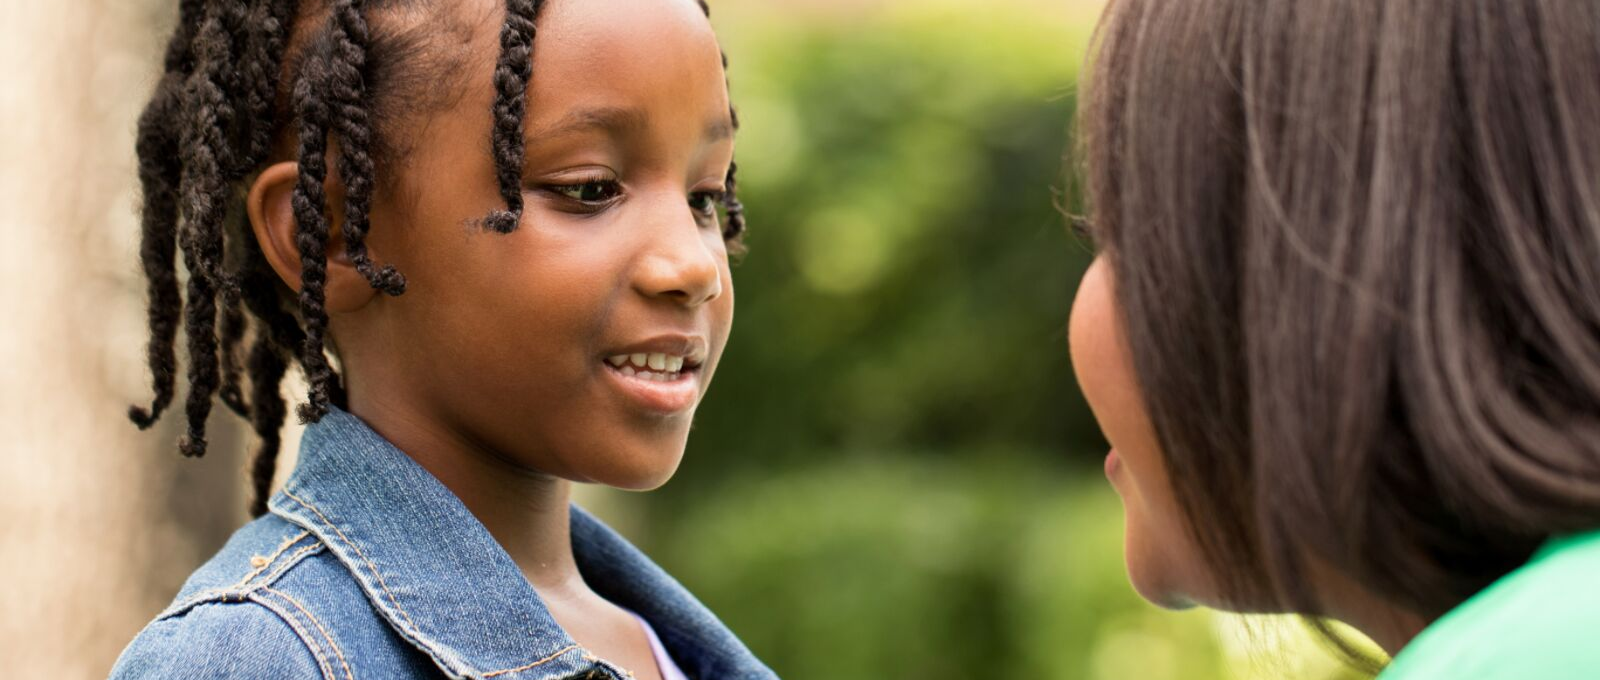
x,y
247,81
1356,244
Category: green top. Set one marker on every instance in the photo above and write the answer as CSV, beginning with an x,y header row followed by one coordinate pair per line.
x,y
1540,622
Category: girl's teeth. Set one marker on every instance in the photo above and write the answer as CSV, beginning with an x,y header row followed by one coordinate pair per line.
x,y
648,365
652,376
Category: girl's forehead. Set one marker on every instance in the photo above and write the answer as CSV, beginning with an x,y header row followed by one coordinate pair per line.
x,y
617,55
618,37
619,67
585,48
598,25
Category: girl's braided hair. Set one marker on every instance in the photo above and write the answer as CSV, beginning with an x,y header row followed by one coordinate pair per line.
x,y
237,76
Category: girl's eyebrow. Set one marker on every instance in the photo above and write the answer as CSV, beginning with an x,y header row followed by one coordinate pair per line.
x,y
620,121
606,118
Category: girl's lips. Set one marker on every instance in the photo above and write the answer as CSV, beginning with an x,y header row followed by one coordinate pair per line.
x,y
1113,463
659,397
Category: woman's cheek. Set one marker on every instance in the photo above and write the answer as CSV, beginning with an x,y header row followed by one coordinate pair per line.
x,y
1161,564
1156,546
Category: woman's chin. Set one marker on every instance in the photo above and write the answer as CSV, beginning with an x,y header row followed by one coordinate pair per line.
x,y
1156,591
1156,577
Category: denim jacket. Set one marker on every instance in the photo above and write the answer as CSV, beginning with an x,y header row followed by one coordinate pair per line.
x,y
368,567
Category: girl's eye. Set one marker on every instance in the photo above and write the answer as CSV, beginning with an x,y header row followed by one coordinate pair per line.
x,y
590,192
704,203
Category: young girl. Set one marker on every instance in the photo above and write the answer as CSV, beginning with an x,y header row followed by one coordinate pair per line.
x,y
512,248
1344,330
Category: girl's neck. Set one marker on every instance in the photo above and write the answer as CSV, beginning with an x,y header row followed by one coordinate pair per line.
x,y
526,512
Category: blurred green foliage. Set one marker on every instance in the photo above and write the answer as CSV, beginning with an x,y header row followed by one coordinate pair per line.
x,y
909,276
895,475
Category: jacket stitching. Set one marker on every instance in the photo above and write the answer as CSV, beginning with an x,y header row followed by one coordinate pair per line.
x,y
311,645
235,593
287,565
331,644
535,664
271,558
385,586
370,565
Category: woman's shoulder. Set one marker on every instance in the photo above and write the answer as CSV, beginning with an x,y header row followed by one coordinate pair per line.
x,y
272,603
1537,622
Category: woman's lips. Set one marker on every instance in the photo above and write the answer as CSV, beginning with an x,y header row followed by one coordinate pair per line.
x,y
1113,463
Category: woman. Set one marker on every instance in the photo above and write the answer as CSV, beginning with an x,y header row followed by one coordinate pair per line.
x,y
1344,330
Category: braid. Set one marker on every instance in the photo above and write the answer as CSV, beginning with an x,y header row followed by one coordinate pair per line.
x,y
263,59
209,124
180,48
310,203
157,147
354,132
268,362
734,231
277,336
233,327
204,154
511,75
257,79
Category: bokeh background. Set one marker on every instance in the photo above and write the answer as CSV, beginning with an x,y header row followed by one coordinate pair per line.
x,y
894,475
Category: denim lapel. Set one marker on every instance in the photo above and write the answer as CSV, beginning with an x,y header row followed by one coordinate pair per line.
x,y
428,566
440,580
697,640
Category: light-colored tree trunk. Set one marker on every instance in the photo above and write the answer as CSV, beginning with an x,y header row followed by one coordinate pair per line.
x,y
99,523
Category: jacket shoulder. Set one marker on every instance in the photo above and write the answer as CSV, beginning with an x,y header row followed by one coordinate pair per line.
x,y
259,553
244,640
229,620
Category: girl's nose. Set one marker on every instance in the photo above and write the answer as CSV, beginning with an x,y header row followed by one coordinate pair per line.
x,y
679,264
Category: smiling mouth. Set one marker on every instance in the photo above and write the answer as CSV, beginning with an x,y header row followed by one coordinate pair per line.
x,y
660,383
654,366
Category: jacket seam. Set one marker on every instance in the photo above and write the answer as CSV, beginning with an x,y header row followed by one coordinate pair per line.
x,y
240,592
292,562
557,654
272,558
305,638
333,645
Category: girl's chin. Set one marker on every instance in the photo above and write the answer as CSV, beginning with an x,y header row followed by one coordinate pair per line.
x,y
646,471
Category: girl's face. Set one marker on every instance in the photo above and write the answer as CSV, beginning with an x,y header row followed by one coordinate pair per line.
x,y
529,345
1163,562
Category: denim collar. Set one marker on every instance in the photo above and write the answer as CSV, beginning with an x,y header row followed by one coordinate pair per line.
x,y
435,574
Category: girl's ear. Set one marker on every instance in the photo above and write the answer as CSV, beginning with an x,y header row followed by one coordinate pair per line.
x,y
271,208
